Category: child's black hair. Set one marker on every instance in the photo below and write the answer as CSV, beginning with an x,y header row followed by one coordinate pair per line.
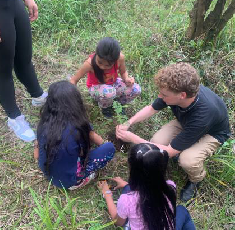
x,y
157,202
108,49
63,108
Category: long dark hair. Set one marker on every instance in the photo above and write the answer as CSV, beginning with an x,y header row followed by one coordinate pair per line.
x,y
63,108
109,50
147,177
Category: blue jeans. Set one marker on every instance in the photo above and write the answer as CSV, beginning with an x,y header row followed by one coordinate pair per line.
x,y
183,219
98,158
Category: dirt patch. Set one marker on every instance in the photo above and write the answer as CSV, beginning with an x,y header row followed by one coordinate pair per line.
x,y
120,145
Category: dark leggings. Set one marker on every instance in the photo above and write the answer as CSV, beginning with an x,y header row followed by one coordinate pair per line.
x,y
15,52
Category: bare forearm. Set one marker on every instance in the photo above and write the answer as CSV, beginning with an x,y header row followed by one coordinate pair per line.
x,y
112,209
137,140
124,76
171,152
75,79
95,138
36,150
142,115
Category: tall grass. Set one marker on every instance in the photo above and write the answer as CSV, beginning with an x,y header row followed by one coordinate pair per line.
x,y
54,213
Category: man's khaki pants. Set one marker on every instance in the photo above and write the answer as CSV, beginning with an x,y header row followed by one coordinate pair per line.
x,y
191,159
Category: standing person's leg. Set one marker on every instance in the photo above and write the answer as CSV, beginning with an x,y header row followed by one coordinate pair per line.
x,y
23,65
183,219
104,95
126,94
7,53
192,161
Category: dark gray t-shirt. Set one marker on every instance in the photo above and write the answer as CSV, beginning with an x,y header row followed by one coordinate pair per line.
x,y
206,115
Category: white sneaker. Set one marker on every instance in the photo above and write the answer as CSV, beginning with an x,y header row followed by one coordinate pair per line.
x,y
40,101
84,182
21,128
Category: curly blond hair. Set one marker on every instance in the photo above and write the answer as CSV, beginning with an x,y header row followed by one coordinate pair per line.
x,y
179,77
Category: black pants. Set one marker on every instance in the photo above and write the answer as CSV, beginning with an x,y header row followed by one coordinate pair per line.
x,y
15,52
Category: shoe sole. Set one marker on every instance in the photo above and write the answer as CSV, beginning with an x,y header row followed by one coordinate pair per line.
x,y
37,105
28,141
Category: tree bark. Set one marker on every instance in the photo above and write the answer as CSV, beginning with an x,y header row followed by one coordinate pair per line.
x,y
200,18
210,27
228,14
214,16
193,22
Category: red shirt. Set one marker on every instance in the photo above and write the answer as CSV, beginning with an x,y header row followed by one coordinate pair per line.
x,y
110,76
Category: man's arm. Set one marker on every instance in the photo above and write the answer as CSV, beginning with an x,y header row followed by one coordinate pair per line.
x,y
142,115
171,152
128,136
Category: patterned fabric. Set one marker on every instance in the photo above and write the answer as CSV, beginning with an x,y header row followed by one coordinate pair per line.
x,y
98,158
105,94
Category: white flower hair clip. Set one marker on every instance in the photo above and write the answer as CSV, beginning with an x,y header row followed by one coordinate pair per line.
x,y
139,152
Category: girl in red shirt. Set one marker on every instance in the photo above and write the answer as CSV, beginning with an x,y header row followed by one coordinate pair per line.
x,y
102,69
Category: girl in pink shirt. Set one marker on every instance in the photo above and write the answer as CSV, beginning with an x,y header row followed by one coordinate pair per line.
x,y
150,201
102,69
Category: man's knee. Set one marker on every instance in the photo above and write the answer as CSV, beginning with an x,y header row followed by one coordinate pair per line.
x,y
158,138
187,161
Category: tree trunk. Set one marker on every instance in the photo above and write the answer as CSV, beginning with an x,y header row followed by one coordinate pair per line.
x,y
193,30
200,18
228,14
209,27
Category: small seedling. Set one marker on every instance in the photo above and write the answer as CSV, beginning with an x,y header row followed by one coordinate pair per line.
x,y
120,114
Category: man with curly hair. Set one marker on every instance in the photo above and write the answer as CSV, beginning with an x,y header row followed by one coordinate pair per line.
x,y
201,123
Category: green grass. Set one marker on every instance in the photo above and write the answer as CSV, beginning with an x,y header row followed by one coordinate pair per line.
x,y
152,35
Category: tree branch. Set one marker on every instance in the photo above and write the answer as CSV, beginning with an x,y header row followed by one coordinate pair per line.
x,y
228,14
214,15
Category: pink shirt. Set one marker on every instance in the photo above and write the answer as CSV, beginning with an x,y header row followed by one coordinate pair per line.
x,y
126,208
110,76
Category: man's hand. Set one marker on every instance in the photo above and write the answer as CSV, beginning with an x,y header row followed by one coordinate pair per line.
x,y
33,9
124,135
125,126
